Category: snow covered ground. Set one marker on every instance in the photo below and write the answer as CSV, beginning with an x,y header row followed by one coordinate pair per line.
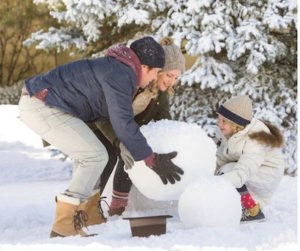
x,y
30,178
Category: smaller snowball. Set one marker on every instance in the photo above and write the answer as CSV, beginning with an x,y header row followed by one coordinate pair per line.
x,y
210,202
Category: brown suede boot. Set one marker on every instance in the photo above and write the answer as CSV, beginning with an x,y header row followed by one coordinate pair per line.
x,y
93,210
70,217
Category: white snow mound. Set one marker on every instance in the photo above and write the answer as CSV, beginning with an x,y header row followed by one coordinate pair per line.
x,y
196,156
211,202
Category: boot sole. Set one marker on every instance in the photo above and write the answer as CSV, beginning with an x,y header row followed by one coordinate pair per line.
x,y
95,223
258,221
54,234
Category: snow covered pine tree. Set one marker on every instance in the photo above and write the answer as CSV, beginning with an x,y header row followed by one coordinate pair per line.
x,y
241,47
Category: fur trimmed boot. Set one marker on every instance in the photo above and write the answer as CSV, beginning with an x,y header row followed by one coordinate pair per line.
x,y
94,210
70,217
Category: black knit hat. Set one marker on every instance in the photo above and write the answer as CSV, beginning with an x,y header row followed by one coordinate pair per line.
x,y
149,52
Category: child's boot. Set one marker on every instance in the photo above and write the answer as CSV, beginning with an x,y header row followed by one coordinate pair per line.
x,y
253,214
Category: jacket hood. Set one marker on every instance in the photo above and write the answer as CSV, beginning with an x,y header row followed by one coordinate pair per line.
x,y
127,56
273,138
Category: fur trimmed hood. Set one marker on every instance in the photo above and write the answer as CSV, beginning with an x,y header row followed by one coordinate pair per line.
x,y
273,139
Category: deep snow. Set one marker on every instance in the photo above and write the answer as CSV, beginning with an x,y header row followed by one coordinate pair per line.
x,y
30,179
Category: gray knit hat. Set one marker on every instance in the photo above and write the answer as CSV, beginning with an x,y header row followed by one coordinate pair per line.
x,y
173,55
237,110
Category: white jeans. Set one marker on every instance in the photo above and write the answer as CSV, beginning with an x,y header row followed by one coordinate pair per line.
x,y
73,137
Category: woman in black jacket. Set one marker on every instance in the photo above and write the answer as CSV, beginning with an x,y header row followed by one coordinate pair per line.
x,y
149,104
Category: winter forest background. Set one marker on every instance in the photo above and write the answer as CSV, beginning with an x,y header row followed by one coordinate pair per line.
x,y
233,47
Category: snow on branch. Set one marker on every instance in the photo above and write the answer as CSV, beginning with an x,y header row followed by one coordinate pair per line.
x,y
59,39
210,74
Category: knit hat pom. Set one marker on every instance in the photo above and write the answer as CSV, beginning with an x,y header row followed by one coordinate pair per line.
x,y
166,41
173,55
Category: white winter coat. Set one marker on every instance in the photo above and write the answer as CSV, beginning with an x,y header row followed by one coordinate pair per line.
x,y
258,163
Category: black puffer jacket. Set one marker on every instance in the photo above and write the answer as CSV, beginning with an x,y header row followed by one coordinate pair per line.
x,y
158,108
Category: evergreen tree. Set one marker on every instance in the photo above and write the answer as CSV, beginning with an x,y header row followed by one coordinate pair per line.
x,y
242,47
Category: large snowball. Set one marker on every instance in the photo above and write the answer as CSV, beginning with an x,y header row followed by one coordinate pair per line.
x,y
211,202
196,156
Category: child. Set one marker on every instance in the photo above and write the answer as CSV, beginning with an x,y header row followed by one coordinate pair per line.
x,y
249,156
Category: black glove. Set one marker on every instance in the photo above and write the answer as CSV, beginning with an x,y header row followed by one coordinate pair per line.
x,y
165,168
